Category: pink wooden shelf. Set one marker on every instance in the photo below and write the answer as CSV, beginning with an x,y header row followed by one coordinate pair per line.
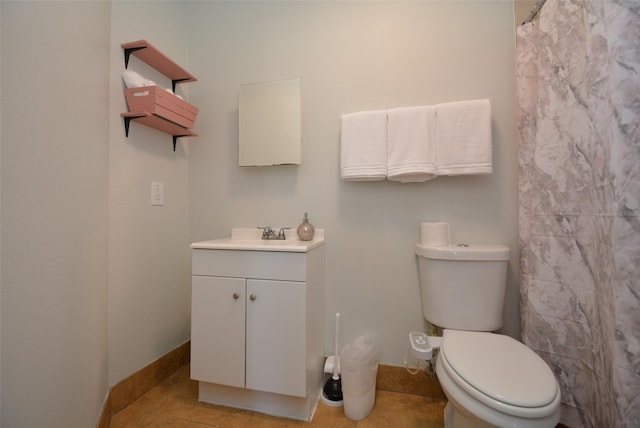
x,y
156,59
158,123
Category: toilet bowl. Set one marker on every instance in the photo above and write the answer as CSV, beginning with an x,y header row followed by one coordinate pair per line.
x,y
493,380
490,379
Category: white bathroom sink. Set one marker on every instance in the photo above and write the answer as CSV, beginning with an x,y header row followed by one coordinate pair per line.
x,y
249,239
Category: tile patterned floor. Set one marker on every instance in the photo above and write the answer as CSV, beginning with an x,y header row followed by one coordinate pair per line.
x,y
174,403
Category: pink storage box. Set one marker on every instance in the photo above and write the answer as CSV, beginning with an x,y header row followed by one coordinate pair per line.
x,y
155,100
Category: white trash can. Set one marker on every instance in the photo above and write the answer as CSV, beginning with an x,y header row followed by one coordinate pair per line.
x,y
358,370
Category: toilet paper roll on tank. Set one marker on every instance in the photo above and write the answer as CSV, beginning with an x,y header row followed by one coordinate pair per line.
x,y
435,234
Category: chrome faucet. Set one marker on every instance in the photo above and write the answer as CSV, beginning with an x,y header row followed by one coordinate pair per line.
x,y
281,235
268,233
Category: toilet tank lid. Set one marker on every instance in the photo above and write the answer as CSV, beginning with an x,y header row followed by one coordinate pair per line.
x,y
479,252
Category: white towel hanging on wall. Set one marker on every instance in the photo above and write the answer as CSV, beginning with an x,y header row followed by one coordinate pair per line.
x,y
363,146
463,137
412,144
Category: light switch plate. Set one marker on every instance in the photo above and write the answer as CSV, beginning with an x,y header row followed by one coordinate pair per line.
x,y
157,193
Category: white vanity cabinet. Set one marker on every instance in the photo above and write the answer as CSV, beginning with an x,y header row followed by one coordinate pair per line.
x,y
257,327
274,334
218,329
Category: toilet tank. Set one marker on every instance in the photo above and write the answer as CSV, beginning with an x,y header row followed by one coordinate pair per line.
x,y
463,286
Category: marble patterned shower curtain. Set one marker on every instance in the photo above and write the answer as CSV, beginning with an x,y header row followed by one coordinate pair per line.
x,y
578,70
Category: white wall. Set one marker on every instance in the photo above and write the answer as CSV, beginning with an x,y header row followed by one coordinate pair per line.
x,y
149,270
95,281
355,56
83,251
522,9
55,62
0,227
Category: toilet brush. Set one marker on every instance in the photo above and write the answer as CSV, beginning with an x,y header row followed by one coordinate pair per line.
x,y
332,391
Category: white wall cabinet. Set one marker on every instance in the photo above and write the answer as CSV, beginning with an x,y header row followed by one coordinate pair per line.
x,y
257,329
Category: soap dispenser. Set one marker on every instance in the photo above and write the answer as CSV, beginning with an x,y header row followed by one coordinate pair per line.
x,y
306,229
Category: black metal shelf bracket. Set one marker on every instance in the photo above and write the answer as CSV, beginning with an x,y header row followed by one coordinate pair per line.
x,y
174,82
127,54
127,122
175,140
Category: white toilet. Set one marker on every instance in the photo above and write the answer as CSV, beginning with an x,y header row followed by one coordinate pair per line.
x,y
489,379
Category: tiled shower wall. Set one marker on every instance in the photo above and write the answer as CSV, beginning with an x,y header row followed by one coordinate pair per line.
x,y
579,122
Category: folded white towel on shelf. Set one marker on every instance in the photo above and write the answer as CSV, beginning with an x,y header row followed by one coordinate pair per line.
x,y
134,80
363,146
412,144
463,137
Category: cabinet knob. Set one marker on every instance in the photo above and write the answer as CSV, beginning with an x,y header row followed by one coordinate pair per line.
x,y
235,296
252,297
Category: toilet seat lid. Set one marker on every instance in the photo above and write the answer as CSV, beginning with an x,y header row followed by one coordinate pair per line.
x,y
500,367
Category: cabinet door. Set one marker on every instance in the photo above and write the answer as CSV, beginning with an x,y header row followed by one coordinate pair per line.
x,y
217,330
276,357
